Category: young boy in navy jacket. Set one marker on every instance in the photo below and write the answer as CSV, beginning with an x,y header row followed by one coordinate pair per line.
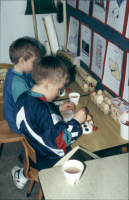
x,y
40,120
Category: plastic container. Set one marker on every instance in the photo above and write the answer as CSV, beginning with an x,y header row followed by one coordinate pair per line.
x,y
124,129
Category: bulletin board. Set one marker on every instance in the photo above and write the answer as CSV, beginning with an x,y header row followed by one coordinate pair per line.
x,y
106,32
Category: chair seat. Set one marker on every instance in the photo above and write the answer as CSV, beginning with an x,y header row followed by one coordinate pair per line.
x,y
6,135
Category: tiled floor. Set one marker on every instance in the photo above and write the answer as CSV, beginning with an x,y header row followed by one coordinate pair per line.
x,y
9,159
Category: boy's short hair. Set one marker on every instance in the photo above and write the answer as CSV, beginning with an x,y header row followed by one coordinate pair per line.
x,y
51,68
23,48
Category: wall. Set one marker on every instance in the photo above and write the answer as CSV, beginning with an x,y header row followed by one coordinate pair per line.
x,y
100,28
14,24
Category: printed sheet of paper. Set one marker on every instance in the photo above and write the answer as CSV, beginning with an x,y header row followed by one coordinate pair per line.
x,y
127,29
116,14
99,47
72,3
125,94
73,30
67,115
85,43
99,10
84,6
113,68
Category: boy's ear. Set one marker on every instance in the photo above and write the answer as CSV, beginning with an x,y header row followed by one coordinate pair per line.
x,y
46,84
21,60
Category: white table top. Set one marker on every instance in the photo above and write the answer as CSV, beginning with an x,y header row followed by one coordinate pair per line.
x,y
105,178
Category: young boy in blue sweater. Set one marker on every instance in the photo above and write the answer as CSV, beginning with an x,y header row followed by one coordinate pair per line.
x,y
23,52
40,120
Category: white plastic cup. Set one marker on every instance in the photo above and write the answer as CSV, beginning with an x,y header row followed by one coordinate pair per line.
x,y
74,97
124,129
72,170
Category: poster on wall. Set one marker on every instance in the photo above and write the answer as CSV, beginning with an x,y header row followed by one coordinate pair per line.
x,y
112,71
85,43
99,10
72,36
72,3
98,53
84,6
116,15
127,29
125,82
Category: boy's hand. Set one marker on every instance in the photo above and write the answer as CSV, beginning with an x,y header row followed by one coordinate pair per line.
x,y
80,115
66,106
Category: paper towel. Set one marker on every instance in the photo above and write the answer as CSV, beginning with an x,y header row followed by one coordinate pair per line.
x,y
51,34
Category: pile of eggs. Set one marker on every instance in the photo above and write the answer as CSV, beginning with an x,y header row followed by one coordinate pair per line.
x,y
103,102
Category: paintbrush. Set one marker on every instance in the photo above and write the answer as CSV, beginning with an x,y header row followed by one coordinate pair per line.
x,y
84,104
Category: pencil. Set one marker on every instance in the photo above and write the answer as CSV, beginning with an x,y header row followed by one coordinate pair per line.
x,y
83,104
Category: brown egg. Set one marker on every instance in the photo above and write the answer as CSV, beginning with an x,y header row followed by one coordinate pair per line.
x,y
99,92
108,101
104,95
106,107
89,118
93,94
95,97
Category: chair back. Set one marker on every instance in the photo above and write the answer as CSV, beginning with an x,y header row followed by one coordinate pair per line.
x,y
28,152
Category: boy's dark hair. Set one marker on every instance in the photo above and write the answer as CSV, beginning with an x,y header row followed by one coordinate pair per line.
x,y
23,48
51,68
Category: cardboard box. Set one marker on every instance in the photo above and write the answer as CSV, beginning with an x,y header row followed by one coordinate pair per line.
x,y
118,108
82,76
68,58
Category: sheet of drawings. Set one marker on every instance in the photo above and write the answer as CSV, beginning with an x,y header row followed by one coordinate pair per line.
x,y
99,10
72,40
116,14
99,46
113,68
127,29
84,6
85,44
72,3
126,83
67,115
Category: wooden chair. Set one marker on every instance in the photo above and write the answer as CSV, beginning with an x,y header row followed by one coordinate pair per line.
x,y
31,173
3,66
6,135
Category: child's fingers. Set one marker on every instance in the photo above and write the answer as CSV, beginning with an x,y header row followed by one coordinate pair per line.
x,y
71,106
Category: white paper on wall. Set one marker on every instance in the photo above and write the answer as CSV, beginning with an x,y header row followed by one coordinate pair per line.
x,y
99,10
85,44
72,3
127,29
116,15
113,68
84,6
99,47
73,30
126,83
